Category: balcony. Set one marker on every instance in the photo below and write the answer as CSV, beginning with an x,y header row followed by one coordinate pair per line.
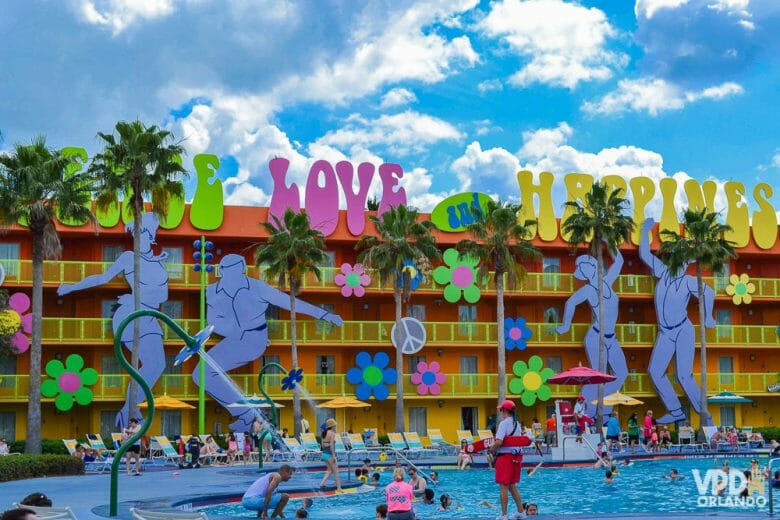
x,y
83,331
182,276
15,388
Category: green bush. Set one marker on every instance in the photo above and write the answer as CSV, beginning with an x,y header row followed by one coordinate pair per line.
x,y
48,446
769,433
383,439
18,467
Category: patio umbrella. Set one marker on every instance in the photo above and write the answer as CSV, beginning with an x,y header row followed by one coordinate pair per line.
x,y
728,398
254,401
344,402
617,399
580,376
167,403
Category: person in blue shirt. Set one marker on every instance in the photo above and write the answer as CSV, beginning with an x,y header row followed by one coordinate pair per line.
x,y
613,431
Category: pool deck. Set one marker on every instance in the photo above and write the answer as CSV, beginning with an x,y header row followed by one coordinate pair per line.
x,y
160,488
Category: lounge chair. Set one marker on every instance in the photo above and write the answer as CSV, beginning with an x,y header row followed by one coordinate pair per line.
x,y
116,440
720,445
50,513
436,438
165,450
96,443
310,446
370,438
140,514
465,435
397,442
415,445
686,438
297,453
358,445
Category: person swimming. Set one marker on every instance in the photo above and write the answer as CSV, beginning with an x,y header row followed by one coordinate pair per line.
x,y
673,475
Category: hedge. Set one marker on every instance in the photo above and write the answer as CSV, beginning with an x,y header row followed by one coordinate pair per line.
x,y
48,446
18,467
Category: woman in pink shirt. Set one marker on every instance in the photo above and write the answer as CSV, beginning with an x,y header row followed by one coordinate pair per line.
x,y
648,429
399,496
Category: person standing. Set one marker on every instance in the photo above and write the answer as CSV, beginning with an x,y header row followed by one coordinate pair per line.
x,y
552,431
399,496
134,452
329,454
509,459
633,431
613,432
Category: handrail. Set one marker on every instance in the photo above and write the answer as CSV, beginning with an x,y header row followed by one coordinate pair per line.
x,y
412,464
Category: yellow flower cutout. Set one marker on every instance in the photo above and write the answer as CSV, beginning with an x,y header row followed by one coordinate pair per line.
x,y
740,289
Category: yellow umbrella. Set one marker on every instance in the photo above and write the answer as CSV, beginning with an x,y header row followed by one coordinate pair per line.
x,y
617,399
344,402
168,403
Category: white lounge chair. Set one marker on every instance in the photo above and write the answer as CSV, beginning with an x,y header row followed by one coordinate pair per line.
x,y
50,513
397,442
311,448
437,440
167,453
141,514
415,445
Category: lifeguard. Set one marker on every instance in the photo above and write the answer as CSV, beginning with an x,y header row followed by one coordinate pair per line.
x,y
509,458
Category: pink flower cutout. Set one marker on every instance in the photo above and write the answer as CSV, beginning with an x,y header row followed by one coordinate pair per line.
x,y
428,378
20,303
352,280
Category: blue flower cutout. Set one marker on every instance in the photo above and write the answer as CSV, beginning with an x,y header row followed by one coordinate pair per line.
x,y
372,376
292,378
516,333
415,274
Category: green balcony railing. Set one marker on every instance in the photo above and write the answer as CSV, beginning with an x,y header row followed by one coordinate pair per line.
x,y
19,273
311,332
112,387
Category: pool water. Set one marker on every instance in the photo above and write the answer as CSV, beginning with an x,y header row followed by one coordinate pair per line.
x,y
637,488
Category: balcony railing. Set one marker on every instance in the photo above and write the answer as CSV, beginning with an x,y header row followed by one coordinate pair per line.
x,y
19,273
311,332
112,387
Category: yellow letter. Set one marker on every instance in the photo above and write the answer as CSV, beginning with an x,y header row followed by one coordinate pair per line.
x,y
765,219
613,182
668,214
547,228
643,190
577,185
696,200
737,216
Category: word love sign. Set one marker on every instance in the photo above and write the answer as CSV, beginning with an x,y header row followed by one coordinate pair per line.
x,y
321,199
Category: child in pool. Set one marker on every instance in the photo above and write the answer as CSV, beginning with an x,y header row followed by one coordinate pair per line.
x,y
608,477
446,503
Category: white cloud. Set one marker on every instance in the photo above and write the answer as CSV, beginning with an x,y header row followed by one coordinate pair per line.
x,y
732,7
776,160
490,85
118,15
647,8
246,194
655,95
488,171
545,141
397,97
563,43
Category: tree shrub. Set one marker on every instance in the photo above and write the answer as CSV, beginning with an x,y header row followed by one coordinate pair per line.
x,y
18,467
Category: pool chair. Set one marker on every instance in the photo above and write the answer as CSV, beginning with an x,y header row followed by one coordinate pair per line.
x,y
356,445
95,441
311,448
465,435
397,442
163,451
719,445
116,440
50,513
141,514
686,440
437,440
416,447
370,438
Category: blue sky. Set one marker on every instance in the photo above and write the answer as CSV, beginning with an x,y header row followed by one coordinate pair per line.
x,y
461,93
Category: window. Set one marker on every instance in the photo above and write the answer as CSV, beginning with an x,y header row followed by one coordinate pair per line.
x,y
418,420
416,311
723,319
726,369
172,308
111,253
108,426
9,256
107,309
326,365
328,264
321,326
110,367
551,267
552,317
170,422
468,370
722,279
554,363
272,318
467,315
171,370
174,262
8,426
413,360
7,368
469,419
272,374
727,416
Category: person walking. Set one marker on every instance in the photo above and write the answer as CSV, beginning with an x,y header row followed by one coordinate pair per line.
x,y
509,458
329,454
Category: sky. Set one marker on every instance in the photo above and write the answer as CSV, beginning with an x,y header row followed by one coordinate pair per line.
x,y
461,93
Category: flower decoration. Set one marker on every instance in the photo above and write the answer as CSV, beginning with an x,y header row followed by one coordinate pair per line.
x,y
372,376
428,378
740,289
415,275
530,381
292,378
14,322
352,280
459,277
69,382
516,333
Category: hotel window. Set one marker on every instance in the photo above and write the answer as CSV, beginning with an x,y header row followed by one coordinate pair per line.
x,y
727,416
723,320
108,426
468,370
170,370
172,308
9,256
328,265
418,420
173,264
416,311
272,374
272,319
326,367
7,368
726,369
722,279
111,370
322,326
551,267
8,426
552,317
111,253
413,361
555,363
467,315
171,422
107,309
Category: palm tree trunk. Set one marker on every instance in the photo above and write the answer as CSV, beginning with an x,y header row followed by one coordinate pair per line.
x,y
501,340
602,356
294,353
33,442
138,206
399,364
704,413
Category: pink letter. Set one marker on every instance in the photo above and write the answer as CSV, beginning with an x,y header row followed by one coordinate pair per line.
x,y
322,203
282,196
390,174
356,202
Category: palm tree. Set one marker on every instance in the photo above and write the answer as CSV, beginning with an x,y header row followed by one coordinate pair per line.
x,y
704,244
499,241
293,250
600,220
138,162
33,186
402,237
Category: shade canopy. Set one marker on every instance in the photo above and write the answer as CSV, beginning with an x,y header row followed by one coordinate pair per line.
x,y
343,402
165,402
254,401
617,399
580,376
728,398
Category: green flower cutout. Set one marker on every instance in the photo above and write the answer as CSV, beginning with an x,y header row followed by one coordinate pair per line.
x,y
68,382
459,276
530,381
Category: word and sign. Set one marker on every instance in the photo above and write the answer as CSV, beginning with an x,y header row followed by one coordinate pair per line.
x,y
455,213
718,488
774,388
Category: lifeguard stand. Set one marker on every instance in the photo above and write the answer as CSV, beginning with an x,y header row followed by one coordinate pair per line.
x,y
568,449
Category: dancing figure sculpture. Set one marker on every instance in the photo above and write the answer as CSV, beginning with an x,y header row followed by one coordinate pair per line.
x,y
676,334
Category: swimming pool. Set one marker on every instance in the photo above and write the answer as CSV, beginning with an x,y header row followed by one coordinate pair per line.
x,y
637,488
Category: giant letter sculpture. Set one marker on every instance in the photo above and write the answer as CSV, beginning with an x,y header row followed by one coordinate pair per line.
x,y
236,306
676,335
587,269
154,291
